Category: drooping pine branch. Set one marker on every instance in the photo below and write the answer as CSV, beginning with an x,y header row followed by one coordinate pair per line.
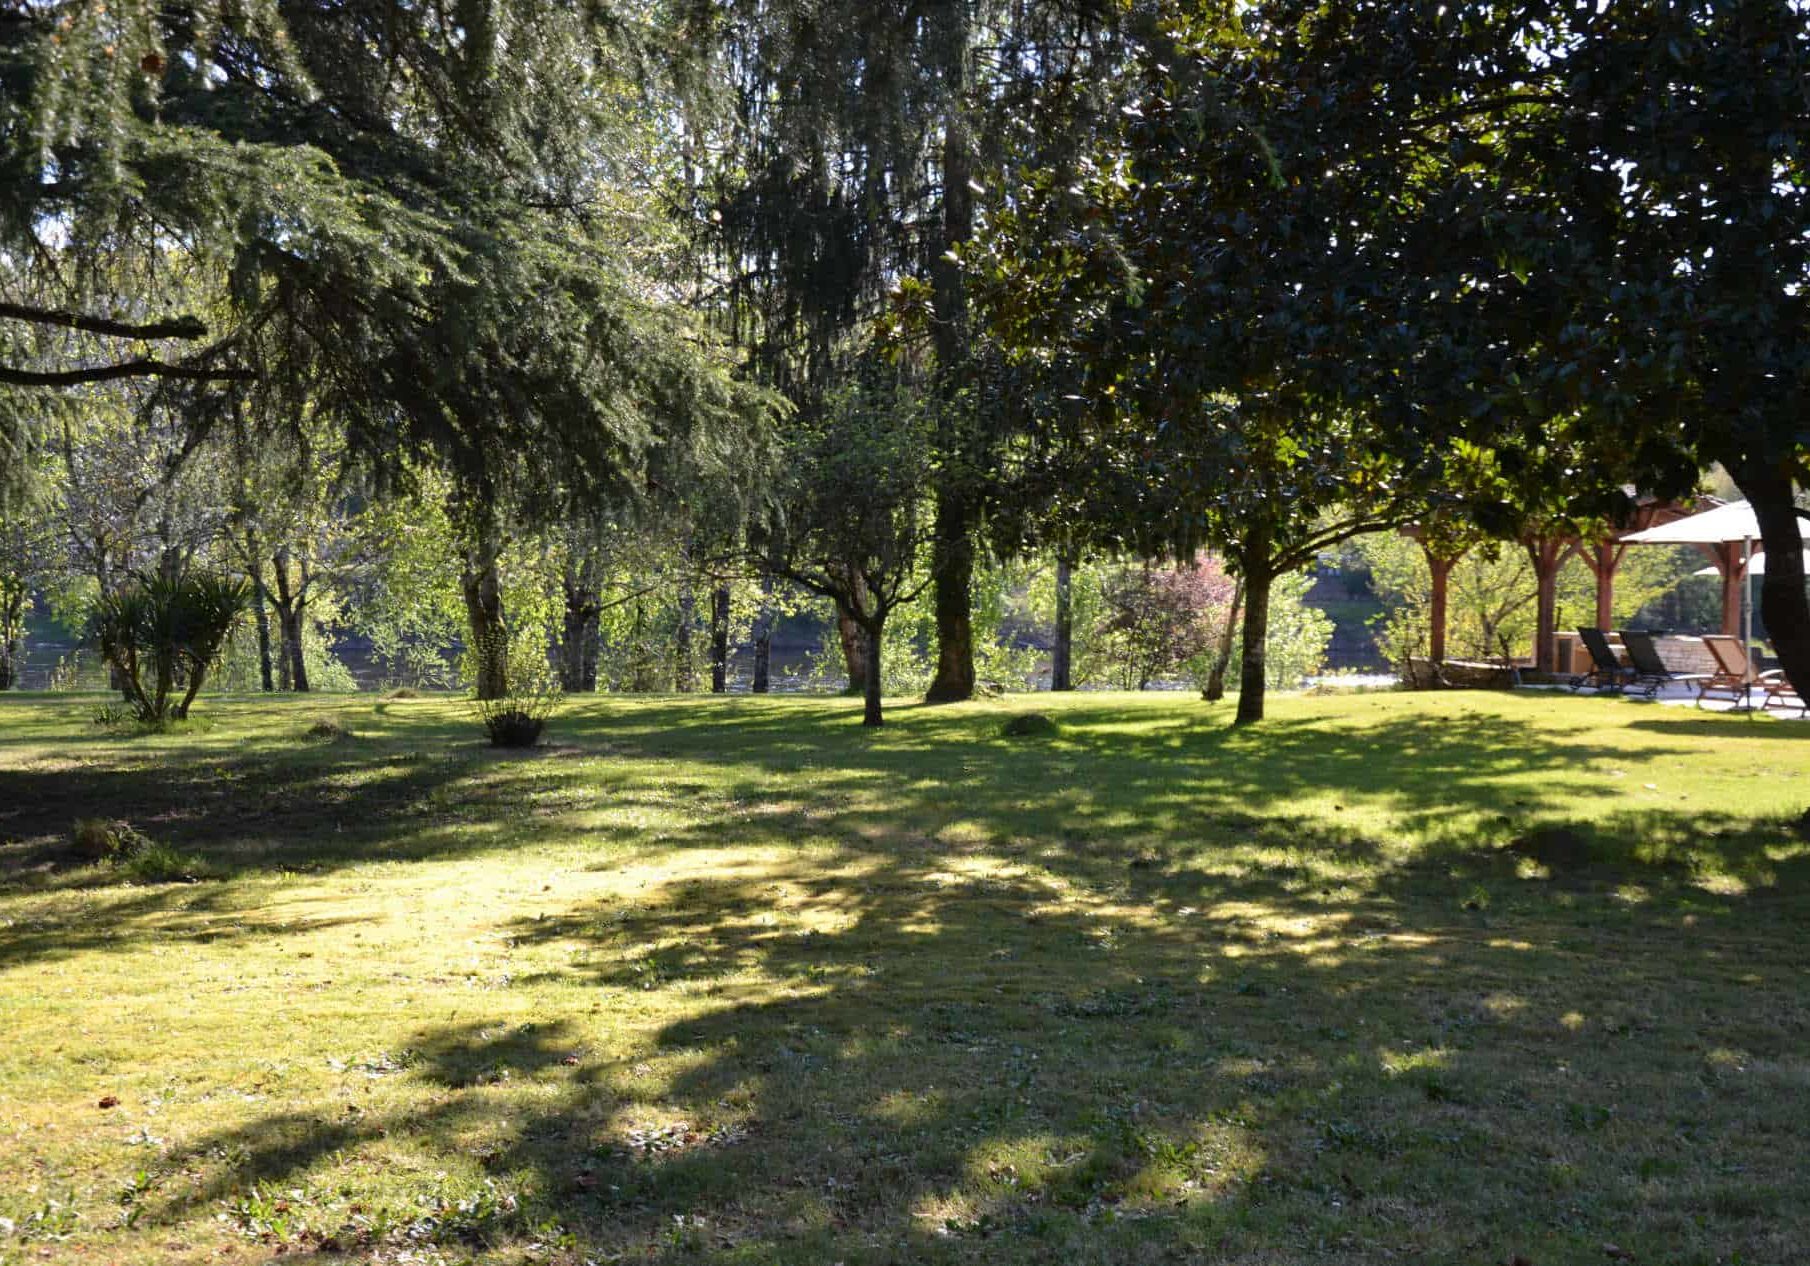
x,y
184,327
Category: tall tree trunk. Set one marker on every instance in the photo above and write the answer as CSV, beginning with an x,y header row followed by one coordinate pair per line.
x,y
291,624
290,603
12,620
579,630
1784,604
719,640
1063,653
1259,573
481,586
952,552
13,596
684,666
764,620
952,561
870,709
1222,657
260,610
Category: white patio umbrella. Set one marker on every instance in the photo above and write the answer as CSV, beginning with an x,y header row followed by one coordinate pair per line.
x,y
1732,522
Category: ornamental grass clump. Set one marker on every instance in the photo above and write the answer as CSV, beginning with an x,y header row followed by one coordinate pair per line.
x,y
518,718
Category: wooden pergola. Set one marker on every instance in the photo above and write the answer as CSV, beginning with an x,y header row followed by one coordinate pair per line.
x,y
1549,552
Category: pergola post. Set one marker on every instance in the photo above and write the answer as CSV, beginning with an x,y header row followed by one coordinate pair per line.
x,y
1603,559
1728,562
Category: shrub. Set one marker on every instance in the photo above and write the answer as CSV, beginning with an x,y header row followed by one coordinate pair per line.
x,y
517,719
164,635
161,864
106,840
1031,725
1157,619
111,716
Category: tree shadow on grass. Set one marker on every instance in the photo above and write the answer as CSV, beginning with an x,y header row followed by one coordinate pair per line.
x,y
881,1056
1123,789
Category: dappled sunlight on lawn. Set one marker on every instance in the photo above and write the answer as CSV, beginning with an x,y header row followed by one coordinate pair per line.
x,y
730,980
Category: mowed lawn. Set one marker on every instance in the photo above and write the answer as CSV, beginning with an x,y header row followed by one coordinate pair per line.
x,y
1390,978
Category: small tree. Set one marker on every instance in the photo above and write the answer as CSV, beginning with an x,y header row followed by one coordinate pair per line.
x,y
164,635
850,518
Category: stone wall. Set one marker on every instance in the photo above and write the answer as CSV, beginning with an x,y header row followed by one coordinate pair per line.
x,y
1458,674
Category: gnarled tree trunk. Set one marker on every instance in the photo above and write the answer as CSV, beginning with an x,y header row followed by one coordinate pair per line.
x,y
481,586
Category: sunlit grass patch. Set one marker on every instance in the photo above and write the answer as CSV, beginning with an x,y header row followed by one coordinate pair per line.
x,y
1428,978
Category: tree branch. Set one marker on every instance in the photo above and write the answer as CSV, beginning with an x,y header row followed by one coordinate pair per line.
x,y
172,327
143,367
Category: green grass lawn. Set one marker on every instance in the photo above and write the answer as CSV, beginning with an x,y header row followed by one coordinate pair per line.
x,y
732,980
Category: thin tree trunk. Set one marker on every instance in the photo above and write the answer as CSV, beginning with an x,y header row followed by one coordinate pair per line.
x,y
684,667
10,643
719,640
764,621
1063,653
642,666
1222,658
12,632
870,710
260,611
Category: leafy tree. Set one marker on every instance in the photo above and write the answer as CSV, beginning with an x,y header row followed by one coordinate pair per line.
x,y
1663,220
849,520
411,225
849,146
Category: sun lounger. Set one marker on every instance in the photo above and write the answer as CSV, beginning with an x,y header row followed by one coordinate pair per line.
x,y
1780,693
1607,673
1649,671
1734,678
